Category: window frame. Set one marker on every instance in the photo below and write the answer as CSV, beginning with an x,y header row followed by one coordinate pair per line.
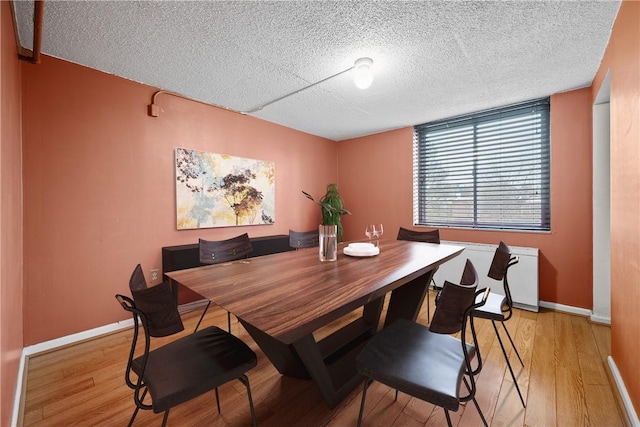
x,y
484,135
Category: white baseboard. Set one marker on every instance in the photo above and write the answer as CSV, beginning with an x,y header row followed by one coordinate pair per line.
x,y
96,332
626,400
565,308
76,338
600,319
18,397
192,305
73,339
576,310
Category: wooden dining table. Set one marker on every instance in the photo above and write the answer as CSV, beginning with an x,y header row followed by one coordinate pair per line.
x,y
282,299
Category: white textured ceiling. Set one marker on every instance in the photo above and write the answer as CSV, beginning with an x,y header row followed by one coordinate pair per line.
x,y
432,59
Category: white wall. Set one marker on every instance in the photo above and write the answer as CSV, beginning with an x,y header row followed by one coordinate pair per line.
x,y
601,210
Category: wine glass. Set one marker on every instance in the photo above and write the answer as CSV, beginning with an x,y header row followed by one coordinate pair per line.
x,y
369,231
378,230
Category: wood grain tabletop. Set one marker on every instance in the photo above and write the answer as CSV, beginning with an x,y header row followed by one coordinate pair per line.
x,y
291,294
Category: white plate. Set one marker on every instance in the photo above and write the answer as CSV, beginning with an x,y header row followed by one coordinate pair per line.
x,y
361,253
361,247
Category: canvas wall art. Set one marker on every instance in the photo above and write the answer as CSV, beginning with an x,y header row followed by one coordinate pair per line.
x,y
216,190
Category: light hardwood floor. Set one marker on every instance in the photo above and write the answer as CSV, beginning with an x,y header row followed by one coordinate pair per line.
x,y
564,382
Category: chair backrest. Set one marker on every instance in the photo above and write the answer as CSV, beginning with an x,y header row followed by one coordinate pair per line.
x,y
453,301
218,251
502,261
432,236
304,239
157,304
454,311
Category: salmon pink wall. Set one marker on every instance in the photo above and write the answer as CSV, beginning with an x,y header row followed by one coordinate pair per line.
x,y
99,189
622,58
380,190
10,217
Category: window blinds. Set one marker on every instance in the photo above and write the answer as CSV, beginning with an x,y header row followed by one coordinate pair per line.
x,y
485,170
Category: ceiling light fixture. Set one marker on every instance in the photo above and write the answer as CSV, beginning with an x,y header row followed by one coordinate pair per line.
x,y
363,73
362,78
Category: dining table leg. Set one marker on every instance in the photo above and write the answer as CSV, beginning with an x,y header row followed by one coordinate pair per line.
x,y
405,301
283,356
330,362
334,381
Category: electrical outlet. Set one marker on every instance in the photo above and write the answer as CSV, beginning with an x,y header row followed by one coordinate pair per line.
x,y
154,275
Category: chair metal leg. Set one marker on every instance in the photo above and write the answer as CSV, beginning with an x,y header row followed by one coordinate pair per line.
x,y
428,308
135,411
367,383
515,381
205,312
512,344
484,421
446,414
217,399
244,380
475,402
432,285
202,317
133,417
164,419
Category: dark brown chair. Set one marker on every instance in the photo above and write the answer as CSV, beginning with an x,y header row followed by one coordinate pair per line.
x,y
432,236
427,362
304,239
499,308
186,367
221,251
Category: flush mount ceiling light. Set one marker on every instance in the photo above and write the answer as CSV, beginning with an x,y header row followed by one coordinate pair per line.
x,y
363,77
363,73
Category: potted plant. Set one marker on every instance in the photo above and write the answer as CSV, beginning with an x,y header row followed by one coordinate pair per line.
x,y
330,230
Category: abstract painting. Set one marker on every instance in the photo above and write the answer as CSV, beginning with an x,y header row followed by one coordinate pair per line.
x,y
216,190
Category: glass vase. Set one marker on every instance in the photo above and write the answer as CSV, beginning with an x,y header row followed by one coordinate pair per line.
x,y
328,248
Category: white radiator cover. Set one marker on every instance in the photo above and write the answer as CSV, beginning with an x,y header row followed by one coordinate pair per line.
x,y
523,277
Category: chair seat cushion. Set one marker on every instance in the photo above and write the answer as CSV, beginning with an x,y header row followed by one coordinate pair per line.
x,y
193,365
411,359
492,309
